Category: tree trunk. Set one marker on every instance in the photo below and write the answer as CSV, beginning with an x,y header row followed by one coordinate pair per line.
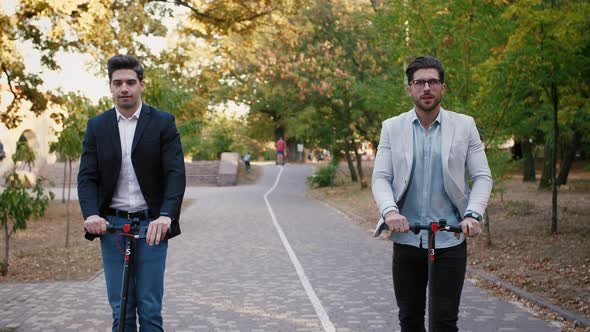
x,y
5,259
359,166
555,99
528,170
63,192
353,176
545,181
488,229
375,147
568,158
68,204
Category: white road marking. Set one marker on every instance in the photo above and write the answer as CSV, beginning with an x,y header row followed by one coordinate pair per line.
x,y
315,301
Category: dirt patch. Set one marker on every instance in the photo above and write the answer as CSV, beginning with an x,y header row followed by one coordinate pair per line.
x,y
39,254
523,252
245,178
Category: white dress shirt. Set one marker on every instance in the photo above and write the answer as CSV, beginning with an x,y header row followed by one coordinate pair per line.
x,y
127,196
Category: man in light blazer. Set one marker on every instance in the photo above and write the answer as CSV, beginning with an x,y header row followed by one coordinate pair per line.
x,y
132,167
422,161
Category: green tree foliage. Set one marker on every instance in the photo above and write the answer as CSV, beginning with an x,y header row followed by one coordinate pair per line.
x,y
17,205
316,85
234,18
327,73
22,85
544,67
323,177
192,77
181,97
98,28
24,156
78,109
219,135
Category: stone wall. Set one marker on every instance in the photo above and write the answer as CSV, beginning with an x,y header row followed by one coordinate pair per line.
x,y
229,166
198,173
39,132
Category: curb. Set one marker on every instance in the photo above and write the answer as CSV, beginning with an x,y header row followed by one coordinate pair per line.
x,y
567,314
94,276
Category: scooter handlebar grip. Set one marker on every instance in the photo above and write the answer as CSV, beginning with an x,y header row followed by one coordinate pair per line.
x,y
455,229
416,228
114,229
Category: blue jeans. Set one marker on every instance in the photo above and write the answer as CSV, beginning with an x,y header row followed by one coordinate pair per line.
x,y
146,281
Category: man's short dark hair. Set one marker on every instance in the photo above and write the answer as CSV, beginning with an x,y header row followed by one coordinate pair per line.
x,y
124,62
422,62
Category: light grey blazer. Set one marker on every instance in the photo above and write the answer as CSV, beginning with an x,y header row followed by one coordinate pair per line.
x,y
462,153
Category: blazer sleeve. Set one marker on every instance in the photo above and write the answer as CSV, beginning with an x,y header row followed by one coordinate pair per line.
x,y
88,175
381,182
173,170
479,171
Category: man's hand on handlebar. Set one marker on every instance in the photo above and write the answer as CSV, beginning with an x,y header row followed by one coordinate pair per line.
x,y
95,224
470,226
396,222
157,230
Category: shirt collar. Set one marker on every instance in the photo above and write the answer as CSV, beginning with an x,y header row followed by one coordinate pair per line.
x,y
135,115
438,119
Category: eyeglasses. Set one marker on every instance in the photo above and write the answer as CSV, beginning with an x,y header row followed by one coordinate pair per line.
x,y
432,83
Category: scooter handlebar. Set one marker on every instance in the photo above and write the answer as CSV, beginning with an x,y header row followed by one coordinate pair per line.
x,y
435,226
416,228
139,232
115,229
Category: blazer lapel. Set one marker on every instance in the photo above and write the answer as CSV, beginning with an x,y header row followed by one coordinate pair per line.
x,y
144,119
113,127
447,132
408,141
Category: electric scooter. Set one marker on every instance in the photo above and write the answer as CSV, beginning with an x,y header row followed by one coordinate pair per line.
x,y
433,228
131,231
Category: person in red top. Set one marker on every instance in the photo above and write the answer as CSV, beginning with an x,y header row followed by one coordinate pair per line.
x,y
280,146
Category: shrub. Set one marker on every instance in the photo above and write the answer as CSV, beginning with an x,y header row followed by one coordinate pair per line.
x,y
323,177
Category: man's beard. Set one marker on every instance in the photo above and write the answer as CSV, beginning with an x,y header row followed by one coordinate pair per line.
x,y
428,109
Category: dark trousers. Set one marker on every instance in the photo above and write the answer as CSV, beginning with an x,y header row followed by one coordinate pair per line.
x,y
410,279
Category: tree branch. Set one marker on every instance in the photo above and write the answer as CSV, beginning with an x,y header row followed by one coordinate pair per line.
x,y
195,11
9,80
207,16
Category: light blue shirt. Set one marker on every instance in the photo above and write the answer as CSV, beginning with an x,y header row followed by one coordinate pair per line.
x,y
425,199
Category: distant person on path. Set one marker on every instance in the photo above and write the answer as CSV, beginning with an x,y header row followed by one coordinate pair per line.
x,y
247,158
280,146
2,153
419,176
132,166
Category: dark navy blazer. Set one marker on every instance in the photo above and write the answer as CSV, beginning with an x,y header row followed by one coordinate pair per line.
x,y
157,159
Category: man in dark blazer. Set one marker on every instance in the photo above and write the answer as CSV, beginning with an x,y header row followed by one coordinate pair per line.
x,y
132,166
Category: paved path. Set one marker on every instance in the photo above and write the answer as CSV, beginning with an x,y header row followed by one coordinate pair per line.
x,y
260,258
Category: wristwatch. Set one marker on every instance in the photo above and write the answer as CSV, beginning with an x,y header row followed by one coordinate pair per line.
x,y
474,215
